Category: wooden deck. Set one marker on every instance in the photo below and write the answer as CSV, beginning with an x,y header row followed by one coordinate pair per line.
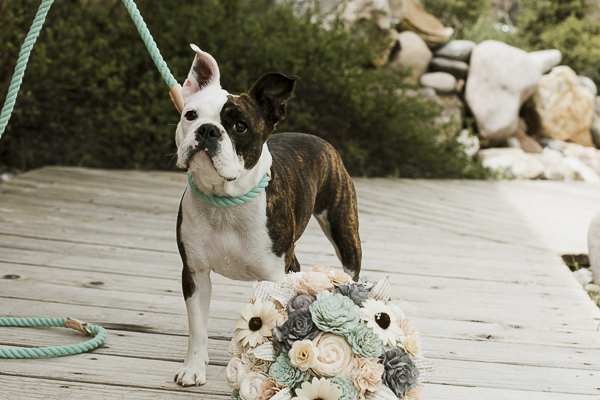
x,y
499,313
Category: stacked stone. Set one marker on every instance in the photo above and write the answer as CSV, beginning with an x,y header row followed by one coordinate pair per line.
x,y
537,119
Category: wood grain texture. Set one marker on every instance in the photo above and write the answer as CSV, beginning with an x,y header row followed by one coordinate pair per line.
x,y
479,262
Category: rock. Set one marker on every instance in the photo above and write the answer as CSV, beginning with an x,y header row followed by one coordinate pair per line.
x,y
554,144
456,68
500,79
588,83
582,171
413,53
452,103
594,246
513,161
564,107
528,144
595,130
442,82
460,86
554,168
6,176
590,156
397,11
583,276
592,287
457,50
546,59
470,142
417,20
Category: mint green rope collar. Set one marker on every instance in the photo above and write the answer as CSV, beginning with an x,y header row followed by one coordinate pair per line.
x,y
98,332
229,201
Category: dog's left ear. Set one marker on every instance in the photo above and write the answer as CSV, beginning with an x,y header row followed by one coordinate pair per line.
x,y
272,92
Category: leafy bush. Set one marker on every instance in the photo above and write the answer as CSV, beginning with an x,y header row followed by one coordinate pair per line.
x,y
458,14
564,25
93,97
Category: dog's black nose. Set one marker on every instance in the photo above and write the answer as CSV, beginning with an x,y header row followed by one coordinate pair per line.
x,y
206,132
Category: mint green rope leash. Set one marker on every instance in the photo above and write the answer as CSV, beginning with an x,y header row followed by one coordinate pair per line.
x,y
34,32
229,201
98,331
17,79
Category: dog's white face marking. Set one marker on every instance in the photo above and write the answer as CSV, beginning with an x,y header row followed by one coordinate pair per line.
x,y
211,156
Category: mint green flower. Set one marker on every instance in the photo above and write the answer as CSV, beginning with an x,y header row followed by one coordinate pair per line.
x,y
365,342
283,372
344,382
334,313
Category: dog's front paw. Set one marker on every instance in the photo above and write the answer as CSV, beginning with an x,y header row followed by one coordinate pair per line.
x,y
190,375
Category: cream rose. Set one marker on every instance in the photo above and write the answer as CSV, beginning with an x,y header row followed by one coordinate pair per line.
x,y
338,277
367,375
269,389
235,372
408,327
313,283
412,344
414,393
324,269
303,354
251,386
335,356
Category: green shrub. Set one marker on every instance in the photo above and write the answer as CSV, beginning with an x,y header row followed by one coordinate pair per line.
x,y
93,97
564,25
458,14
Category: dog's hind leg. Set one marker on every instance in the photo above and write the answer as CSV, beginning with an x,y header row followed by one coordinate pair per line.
x,y
341,228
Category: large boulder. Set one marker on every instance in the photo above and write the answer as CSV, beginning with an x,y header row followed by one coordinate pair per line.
x,y
563,107
594,246
501,78
413,52
442,82
417,20
546,59
456,68
459,50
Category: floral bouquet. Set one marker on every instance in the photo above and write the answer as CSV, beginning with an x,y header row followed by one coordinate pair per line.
x,y
320,336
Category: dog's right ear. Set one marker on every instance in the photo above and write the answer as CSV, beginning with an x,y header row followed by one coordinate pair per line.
x,y
204,72
272,91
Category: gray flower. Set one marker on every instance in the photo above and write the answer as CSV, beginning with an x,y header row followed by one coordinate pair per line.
x,y
300,302
400,373
357,292
299,326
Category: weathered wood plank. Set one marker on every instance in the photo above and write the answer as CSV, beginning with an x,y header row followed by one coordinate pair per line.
x,y
25,388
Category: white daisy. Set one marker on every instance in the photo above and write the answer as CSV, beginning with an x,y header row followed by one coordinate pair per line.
x,y
319,389
383,320
257,321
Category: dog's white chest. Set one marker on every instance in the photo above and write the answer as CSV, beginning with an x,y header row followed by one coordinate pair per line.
x,y
232,241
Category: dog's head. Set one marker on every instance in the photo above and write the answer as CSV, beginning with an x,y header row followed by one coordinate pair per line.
x,y
221,135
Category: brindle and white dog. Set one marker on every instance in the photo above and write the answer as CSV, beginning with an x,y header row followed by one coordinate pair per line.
x,y
225,141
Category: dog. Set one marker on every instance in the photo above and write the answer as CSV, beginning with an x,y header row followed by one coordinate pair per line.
x,y
224,142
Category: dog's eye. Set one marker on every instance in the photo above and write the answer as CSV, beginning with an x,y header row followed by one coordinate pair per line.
x,y
191,115
240,127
